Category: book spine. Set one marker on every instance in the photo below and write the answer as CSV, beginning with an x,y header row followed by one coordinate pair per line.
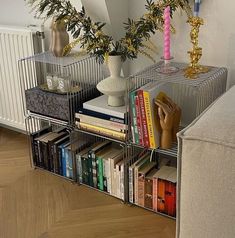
x,y
134,118
122,181
40,161
141,190
149,120
102,131
90,169
108,175
60,161
69,164
55,159
148,196
105,179
170,199
63,161
102,123
114,181
85,172
118,181
99,115
139,121
101,174
144,120
111,169
94,169
161,196
36,153
45,156
131,187
155,194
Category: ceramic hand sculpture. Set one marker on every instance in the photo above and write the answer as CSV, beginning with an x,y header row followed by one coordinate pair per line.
x,y
169,114
177,118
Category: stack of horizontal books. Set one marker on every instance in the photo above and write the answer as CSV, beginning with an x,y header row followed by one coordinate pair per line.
x,y
102,166
153,185
98,117
145,124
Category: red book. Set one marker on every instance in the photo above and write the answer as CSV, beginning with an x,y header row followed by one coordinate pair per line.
x,y
143,117
161,196
170,198
139,121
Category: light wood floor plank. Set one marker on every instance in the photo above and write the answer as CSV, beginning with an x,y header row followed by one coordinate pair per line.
x,y
36,204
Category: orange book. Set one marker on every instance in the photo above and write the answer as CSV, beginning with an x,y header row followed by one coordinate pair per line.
x,y
159,188
161,196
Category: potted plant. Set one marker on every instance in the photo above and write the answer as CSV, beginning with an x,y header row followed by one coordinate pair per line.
x,y
91,37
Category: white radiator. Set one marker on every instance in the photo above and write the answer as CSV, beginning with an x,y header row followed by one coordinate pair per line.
x,y
15,43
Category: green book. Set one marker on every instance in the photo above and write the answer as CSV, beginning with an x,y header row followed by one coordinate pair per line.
x,y
134,118
100,174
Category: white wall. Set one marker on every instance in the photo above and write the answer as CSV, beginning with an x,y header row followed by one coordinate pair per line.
x,y
217,36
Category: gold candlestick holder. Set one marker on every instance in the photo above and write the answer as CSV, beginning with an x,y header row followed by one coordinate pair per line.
x,y
195,54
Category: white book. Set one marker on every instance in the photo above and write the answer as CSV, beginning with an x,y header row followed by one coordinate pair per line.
x,y
118,178
132,178
113,162
100,104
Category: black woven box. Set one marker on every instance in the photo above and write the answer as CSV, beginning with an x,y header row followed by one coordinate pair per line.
x,y
58,106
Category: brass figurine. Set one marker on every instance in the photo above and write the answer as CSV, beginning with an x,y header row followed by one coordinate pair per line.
x,y
196,53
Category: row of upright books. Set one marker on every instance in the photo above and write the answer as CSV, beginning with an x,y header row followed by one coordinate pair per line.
x,y
102,166
153,185
145,123
98,117
49,149
52,150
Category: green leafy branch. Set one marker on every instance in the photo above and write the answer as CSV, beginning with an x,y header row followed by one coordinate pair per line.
x,y
90,35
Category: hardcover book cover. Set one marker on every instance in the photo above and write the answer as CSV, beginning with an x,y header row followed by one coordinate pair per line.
x,y
34,144
141,181
57,154
93,159
100,104
148,197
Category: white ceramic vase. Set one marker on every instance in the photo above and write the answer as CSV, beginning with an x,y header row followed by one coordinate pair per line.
x,y
115,86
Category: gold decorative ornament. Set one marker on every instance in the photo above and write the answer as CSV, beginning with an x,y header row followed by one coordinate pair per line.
x,y
195,54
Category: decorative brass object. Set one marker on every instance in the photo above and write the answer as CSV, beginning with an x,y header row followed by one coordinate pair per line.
x,y
195,54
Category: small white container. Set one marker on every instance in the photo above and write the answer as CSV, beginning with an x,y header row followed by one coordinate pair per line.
x,y
63,84
52,84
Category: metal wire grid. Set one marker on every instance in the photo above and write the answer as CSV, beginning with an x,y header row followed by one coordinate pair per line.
x,y
82,72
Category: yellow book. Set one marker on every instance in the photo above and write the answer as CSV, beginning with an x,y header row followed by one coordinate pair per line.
x,y
101,130
149,119
152,92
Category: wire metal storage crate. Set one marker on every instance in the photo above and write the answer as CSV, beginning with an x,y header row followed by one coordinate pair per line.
x,y
77,77
193,96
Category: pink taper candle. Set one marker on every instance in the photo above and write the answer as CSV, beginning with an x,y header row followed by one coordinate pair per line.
x,y
167,32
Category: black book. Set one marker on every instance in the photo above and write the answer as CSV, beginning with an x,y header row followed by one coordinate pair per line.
x,y
34,143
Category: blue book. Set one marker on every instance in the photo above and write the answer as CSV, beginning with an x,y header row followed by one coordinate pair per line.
x,y
69,163
63,158
101,115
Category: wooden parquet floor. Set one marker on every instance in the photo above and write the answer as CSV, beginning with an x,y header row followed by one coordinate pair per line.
x,y
36,204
